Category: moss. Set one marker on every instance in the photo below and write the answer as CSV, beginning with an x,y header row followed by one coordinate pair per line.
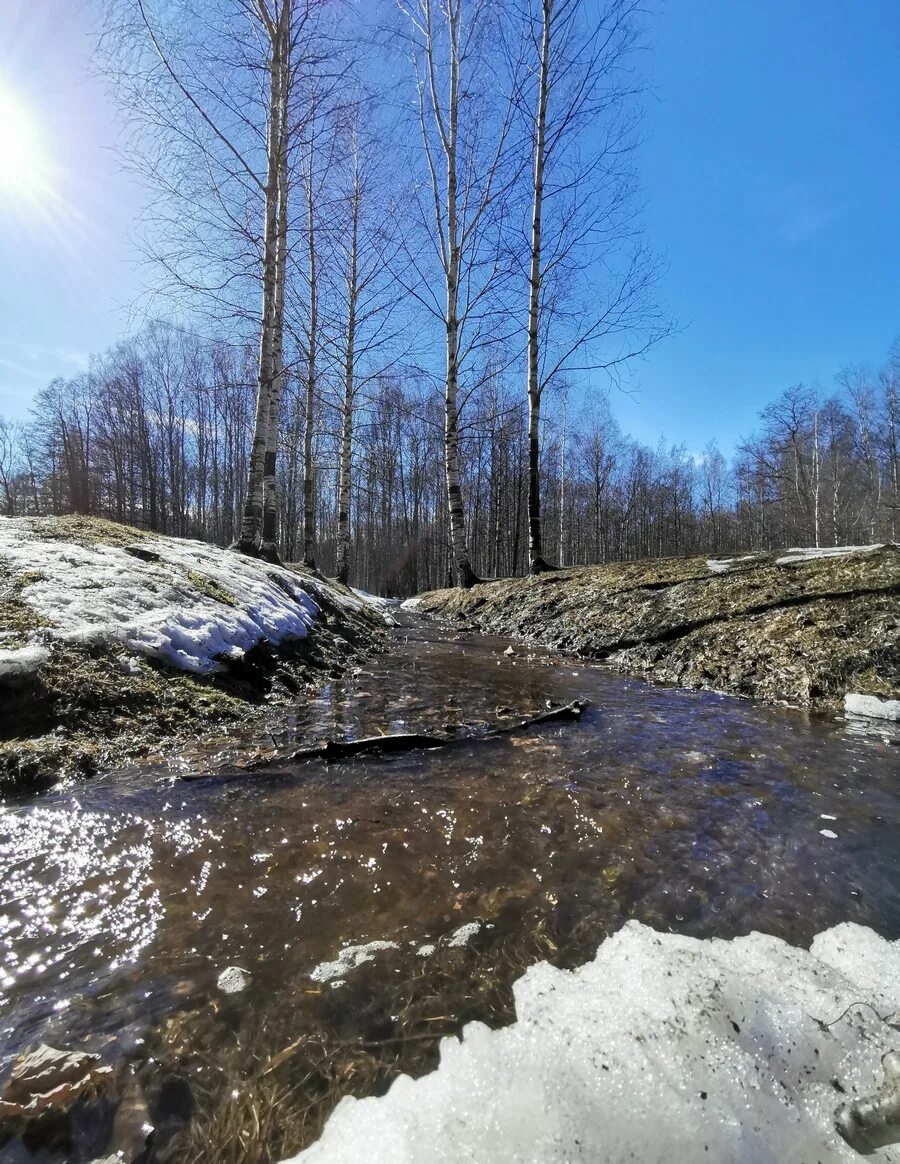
x,y
210,589
88,531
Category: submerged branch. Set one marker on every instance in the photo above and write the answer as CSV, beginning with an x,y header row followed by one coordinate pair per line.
x,y
333,750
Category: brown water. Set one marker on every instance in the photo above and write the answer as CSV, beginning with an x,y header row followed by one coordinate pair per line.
x,y
123,899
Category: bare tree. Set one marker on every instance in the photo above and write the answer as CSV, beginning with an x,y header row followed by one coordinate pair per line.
x,y
465,139
212,92
590,281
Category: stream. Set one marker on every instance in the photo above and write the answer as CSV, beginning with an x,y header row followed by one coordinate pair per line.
x,y
376,904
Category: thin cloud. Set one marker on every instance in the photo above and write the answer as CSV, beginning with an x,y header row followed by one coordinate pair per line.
x,y
797,212
37,354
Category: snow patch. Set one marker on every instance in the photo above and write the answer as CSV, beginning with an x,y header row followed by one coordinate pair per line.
x,y
188,606
22,661
232,980
375,600
664,1048
800,554
411,604
723,565
872,707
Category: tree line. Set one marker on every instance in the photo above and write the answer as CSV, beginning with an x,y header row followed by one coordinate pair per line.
x,y
357,191
158,433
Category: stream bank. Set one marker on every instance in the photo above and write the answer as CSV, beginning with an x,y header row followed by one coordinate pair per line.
x,y
802,627
117,645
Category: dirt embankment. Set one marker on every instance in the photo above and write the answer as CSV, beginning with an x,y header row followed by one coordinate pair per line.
x,y
779,627
116,644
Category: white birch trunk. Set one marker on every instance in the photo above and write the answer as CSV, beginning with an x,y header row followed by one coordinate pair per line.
x,y
536,561
343,531
465,575
309,482
251,535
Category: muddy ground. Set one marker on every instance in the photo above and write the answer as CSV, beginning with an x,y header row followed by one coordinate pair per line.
x,y
804,632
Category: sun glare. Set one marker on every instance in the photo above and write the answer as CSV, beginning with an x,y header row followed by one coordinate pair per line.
x,y
23,163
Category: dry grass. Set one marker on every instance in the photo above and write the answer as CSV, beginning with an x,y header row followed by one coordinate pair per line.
x,y
804,633
269,1095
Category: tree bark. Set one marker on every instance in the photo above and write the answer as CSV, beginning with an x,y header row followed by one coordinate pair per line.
x,y
309,483
465,575
270,538
343,531
536,563
251,535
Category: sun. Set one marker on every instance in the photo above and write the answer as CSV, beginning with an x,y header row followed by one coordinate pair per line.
x,y
23,161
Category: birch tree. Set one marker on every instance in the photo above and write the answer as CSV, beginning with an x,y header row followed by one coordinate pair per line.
x,y
212,97
465,130
589,280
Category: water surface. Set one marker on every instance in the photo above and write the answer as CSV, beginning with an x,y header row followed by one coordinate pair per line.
x,y
124,898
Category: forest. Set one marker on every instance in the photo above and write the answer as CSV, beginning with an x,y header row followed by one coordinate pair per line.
x,y
157,434
396,275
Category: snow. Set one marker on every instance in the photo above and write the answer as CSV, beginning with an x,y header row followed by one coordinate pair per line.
x,y
723,565
411,604
789,557
664,1048
375,600
166,609
463,935
872,707
800,554
22,661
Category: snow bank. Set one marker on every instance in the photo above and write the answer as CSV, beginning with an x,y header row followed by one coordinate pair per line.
x,y
799,554
872,707
663,1049
187,606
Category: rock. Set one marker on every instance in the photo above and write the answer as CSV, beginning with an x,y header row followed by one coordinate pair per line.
x,y
872,707
509,651
232,980
48,1078
132,1125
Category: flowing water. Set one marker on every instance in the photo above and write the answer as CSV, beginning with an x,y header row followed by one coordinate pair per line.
x,y
124,898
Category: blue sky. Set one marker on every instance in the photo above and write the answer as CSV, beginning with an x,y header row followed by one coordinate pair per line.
x,y
771,170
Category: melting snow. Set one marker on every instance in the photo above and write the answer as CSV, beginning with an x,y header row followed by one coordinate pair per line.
x,y
194,604
375,600
662,1049
799,554
22,660
463,935
723,565
232,980
872,707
